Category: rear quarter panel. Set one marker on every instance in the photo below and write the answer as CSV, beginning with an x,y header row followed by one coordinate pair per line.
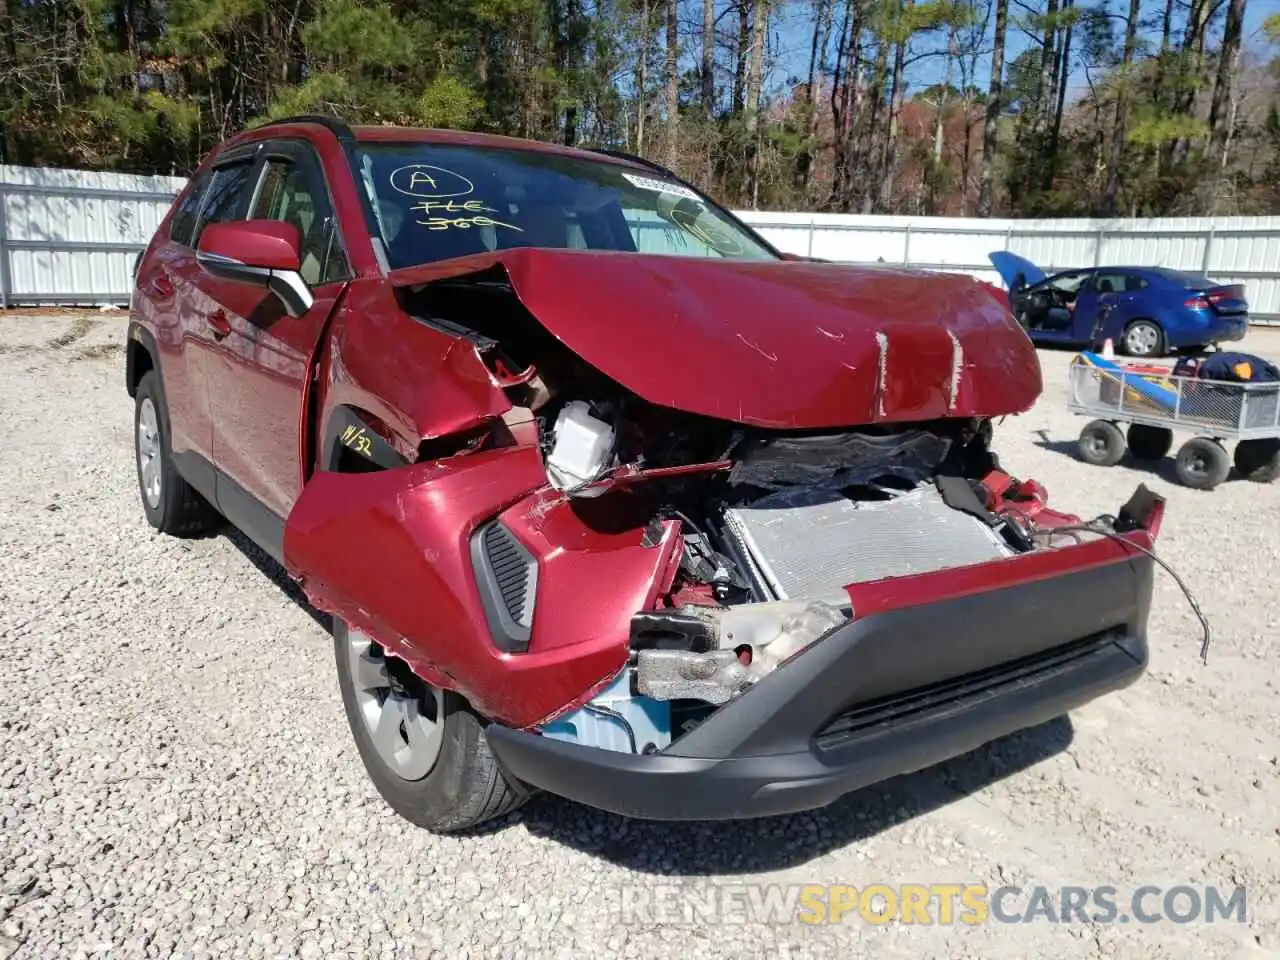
x,y
163,287
1182,326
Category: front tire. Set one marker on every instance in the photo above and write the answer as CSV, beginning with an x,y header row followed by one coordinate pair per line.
x,y
170,503
1258,460
1143,338
423,748
1101,443
1149,443
1202,463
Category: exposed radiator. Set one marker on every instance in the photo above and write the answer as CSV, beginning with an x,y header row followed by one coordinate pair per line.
x,y
809,542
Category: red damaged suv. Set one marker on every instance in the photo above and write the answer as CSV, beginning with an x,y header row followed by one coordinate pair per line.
x,y
605,495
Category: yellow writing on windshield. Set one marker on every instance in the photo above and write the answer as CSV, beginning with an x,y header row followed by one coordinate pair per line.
x,y
425,181
460,214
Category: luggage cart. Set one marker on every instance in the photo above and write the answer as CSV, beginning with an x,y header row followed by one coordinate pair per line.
x,y
1154,402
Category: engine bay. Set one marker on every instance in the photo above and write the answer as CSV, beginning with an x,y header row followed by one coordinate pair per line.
x,y
773,525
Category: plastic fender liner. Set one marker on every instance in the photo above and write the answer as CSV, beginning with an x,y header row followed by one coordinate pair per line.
x,y
347,428
390,553
419,381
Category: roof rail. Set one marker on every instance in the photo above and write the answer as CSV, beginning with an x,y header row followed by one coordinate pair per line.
x,y
335,124
623,155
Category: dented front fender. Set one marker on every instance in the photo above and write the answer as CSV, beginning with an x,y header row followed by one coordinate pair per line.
x,y
390,553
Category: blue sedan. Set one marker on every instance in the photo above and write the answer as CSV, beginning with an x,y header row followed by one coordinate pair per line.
x,y
1145,311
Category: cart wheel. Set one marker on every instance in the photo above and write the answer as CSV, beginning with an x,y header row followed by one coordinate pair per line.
x,y
1149,443
1258,460
1202,463
1101,443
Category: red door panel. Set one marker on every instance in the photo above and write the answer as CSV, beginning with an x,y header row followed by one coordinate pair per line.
x,y
259,369
169,294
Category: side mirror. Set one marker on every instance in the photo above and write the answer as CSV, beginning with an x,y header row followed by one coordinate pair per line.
x,y
266,253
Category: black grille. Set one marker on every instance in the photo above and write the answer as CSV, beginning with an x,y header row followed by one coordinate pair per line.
x,y
949,694
512,569
507,575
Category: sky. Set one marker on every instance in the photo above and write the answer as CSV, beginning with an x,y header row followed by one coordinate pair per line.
x,y
793,31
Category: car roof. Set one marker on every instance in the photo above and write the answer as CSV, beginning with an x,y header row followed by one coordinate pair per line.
x,y
433,135
1106,268
492,141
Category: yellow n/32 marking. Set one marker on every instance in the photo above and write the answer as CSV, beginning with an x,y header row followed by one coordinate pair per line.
x,y
356,438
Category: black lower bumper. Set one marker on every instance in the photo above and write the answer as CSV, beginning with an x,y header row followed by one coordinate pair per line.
x,y
888,694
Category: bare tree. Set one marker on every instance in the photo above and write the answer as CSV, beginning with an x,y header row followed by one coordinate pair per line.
x,y
823,11
846,104
994,92
672,84
642,75
971,49
1220,114
1184,104
755,80
889,157
1119,129
1062,71
742,55
1048,67
708,77
939,123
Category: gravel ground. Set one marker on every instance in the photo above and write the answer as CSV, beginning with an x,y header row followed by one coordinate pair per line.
x,y
177,778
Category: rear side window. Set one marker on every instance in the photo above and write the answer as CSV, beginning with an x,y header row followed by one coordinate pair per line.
x,y
228,196
182,225
1186,280
1108,283
1119,283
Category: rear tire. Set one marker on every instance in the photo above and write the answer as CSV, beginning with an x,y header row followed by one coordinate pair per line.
x,y
170,503
1101,443
1143,338
1149,443
423,748
1202,463
1258,460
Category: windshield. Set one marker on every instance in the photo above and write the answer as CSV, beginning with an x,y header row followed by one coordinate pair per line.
x,y
1069,282
436,201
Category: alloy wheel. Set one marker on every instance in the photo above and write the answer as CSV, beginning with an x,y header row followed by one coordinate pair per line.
x,y
1141,340
403,715
149,462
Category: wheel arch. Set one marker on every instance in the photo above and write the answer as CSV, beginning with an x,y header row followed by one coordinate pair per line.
x,y
356,441
141,356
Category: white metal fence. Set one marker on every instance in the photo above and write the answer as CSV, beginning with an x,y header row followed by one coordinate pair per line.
x,y
70,236
1228,249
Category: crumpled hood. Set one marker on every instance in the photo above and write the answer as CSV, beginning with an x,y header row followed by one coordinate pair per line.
x,y
774,344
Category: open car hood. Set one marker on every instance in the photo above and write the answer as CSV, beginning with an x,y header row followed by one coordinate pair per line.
x,y
774,344
1010,266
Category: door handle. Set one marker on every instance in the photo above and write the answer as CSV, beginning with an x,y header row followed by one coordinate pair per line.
x,y
221,325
